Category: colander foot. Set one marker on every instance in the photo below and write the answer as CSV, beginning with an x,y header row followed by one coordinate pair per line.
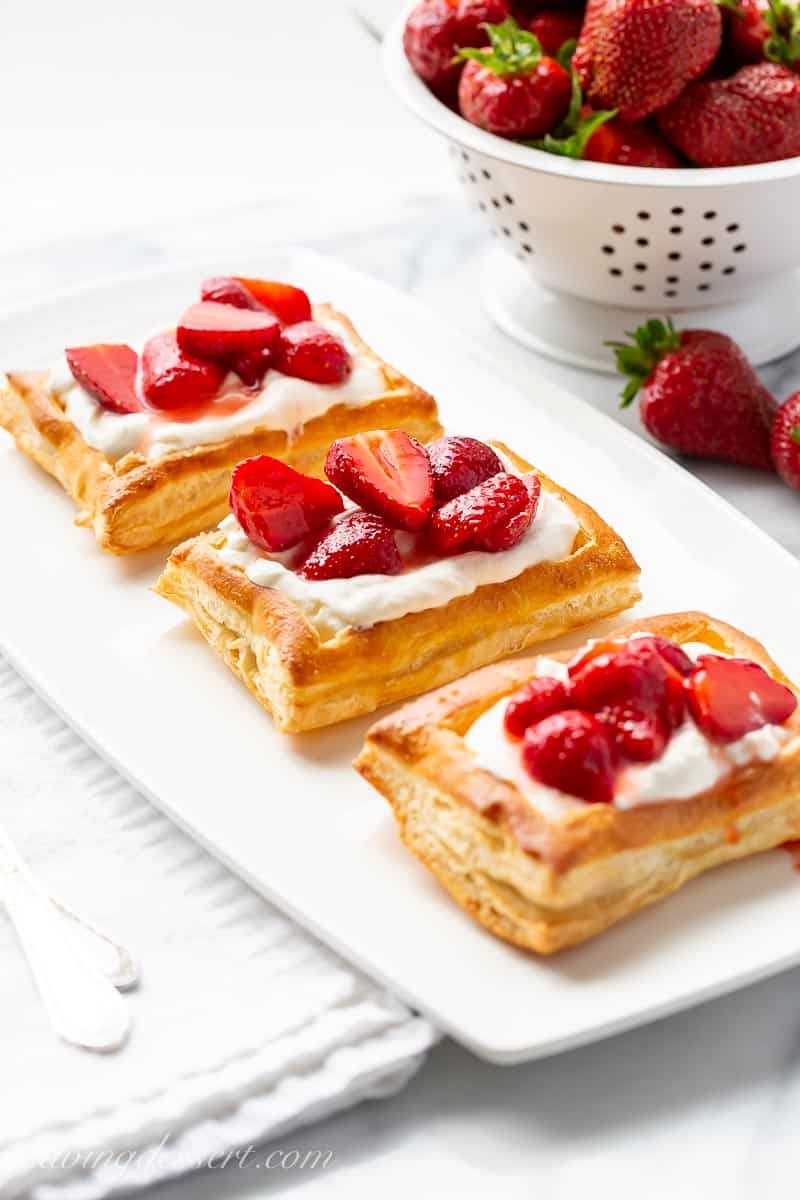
x,y
571,330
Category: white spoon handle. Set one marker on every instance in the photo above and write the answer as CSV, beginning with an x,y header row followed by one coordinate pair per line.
x,y
83,1005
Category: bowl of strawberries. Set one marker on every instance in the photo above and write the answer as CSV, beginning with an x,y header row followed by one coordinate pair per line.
x,y
626,154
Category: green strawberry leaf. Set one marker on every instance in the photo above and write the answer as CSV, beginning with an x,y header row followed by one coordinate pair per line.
x,y
794,434
638,359
511,50
572,135
783,44
566,52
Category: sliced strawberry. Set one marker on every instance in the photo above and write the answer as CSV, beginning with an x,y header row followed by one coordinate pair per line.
x,y
492,516
219,332
289,304
629,672
276,506
310,351
459,464
359,544
538,698
639,733
171,378
251,368
571,751
729,697
225,290
109,373
387,472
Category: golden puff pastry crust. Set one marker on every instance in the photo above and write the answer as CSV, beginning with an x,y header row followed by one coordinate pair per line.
x,y
307,680
136,503
547,884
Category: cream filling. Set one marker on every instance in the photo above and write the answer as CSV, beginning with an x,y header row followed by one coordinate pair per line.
x,y
691,763
365,600
283,403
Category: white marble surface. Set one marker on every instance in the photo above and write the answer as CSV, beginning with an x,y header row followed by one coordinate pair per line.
x,y
152,120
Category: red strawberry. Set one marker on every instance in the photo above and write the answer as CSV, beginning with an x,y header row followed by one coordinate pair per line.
x,y
639,733
759,29
512,89
385,471
309,351
359,544
251,368
290,304
437,29
224,290
752,117
633,671
729,697
171,378
785,441
700,395
276,506
671,652
638,55
571,751
459,464
630,144
554,28
109,373
539,698
219,332
492,516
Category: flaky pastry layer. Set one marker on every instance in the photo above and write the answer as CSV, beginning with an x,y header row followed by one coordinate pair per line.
x,y
135,503
546,884
306,680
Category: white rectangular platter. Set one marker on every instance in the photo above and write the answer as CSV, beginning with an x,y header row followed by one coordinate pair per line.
x,y
289,814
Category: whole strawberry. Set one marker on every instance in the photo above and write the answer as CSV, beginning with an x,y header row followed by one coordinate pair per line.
x,y
630,144
437,29
752,117
699,394
553,28
785,441
638,55
511,88
763,29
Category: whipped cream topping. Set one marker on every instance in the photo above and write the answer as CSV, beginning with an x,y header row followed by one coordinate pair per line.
x,y
283,403
365,600
691,763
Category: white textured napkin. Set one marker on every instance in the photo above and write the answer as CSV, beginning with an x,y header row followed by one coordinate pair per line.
x,y
244,1026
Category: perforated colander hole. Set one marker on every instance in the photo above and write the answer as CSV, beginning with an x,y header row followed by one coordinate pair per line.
x,y
486,174
670,293
734,228
638,287
643,216
506,231
608,250
729,270
524,226
673,279
674,255
677,211
473,178
707,241
740,248
465,156
706,266
676,230
640,266
481,206
508,199
704,287
527,248
709,216
617,228
614,271
642,241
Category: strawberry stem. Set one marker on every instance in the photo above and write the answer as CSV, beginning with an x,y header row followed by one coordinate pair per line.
x,y
512,51
783,44
572,135
638,360
794,434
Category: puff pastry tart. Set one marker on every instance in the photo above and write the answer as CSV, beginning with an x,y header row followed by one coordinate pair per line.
x,y
417,566
145,443
553,796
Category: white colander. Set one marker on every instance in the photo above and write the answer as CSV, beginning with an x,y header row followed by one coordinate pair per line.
x,y
585,247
